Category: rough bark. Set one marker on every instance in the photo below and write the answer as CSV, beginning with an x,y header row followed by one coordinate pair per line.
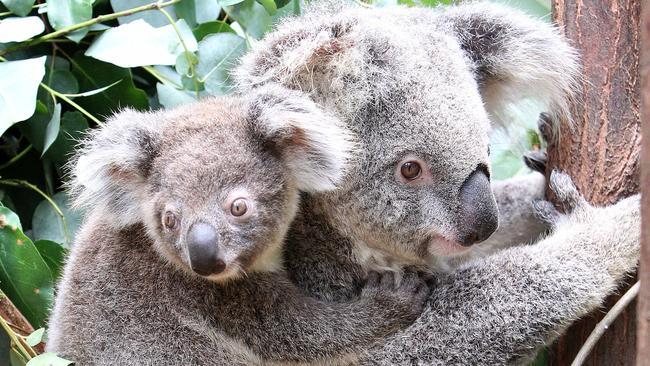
x,y
643,335
601,151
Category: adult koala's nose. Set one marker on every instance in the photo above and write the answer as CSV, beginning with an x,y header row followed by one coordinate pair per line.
x,y
203,248
478,216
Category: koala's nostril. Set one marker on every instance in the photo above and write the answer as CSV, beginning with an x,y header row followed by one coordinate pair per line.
x,y
203,249
478,216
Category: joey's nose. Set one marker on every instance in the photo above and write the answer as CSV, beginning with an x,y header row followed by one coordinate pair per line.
x,y
478,214
203,248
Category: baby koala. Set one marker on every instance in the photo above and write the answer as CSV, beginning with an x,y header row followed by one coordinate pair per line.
x,y
179,259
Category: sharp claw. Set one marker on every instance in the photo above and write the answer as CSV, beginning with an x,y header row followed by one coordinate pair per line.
x,y
566,192
545,126
536,160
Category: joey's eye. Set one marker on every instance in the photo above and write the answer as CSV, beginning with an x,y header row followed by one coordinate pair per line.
x,y
239,207
170,220
410,170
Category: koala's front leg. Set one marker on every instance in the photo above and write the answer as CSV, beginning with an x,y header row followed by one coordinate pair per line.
x,y
500,309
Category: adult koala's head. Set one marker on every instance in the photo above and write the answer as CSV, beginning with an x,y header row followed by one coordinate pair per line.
x,y
421,88
214,183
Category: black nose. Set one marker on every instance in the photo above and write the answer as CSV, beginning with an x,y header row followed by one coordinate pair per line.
x,y
203,247
478,213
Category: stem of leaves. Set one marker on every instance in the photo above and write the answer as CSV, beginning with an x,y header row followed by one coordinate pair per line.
x,y
187,51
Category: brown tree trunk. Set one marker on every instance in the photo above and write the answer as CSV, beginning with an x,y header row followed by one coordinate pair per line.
x,y
602,150
643,336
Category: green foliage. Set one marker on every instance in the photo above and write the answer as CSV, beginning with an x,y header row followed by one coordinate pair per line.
x,y
95,58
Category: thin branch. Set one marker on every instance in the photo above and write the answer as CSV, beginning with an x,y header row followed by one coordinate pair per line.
x,y
16,158
69,101
187,51
88,23
604,324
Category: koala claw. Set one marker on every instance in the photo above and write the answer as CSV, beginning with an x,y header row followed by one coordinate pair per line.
x,y
404,301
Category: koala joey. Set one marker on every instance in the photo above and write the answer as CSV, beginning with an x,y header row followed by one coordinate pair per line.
x,y
179,261
421,88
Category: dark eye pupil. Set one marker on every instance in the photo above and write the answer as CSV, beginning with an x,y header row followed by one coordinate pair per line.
x,y
169,220
410,170
238,207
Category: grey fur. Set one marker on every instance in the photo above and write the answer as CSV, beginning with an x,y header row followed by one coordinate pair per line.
x,y
426,84
128,293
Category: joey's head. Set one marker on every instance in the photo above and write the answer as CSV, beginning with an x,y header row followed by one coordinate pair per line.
x,y
215,183
422,96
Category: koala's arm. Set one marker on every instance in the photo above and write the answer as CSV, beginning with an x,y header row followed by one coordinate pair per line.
x,y
502,308
517,220
288,326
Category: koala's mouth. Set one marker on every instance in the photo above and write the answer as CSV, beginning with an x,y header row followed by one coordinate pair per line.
x,y
440,246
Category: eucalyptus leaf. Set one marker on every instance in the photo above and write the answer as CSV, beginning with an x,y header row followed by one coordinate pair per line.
x,y
218,54
93,74
153,17
36,337
170,97
53,254
47,224
63,81
20,29
18,87
66,13
16,358
252,16
91,92
19,7
34,127
140,44
24,276
48,359
269,6
52,129
73,126
206,29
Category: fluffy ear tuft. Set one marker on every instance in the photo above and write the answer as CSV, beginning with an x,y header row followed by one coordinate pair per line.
x,y
515,56
314,145
109,170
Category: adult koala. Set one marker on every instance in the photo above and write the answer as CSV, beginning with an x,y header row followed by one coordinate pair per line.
x,y
419,87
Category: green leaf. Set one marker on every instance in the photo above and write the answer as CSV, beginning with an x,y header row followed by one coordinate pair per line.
x,y
20,29
19,7
281,3
16,358
34,127
47,224
170,97
52,129
269,6
53,254
140,44
18,87
218,53
36,337
24,276
229,2
66,13
48,359
63,81
252,17
93,74
73,125
183,62
91,92
206,29
153,17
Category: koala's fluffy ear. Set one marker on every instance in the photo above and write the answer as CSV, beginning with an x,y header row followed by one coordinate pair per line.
x,y
514,56
109,170
314,145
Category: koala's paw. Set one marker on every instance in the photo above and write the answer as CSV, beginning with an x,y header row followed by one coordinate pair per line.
x,y
608,235
403,301
536,160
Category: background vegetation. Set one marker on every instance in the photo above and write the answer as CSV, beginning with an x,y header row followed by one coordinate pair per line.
x,y
65,65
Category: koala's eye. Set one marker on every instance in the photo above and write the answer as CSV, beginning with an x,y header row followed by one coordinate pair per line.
x,y
239,207
170,220
410,170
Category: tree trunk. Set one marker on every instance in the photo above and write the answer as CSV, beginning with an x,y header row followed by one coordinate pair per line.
x,y
601,152
643,337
